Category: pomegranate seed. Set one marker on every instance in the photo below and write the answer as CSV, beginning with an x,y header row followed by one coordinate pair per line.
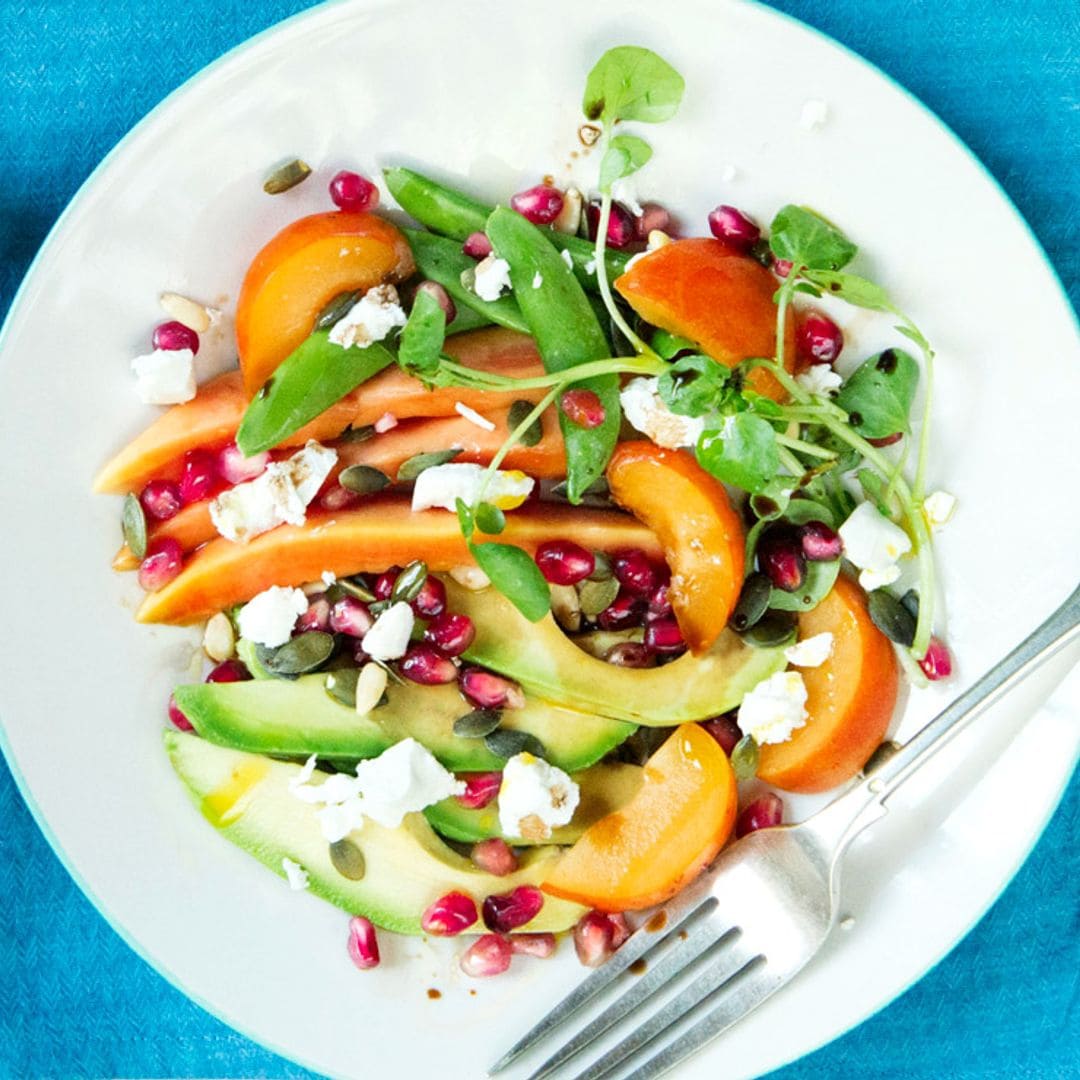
x,y
495,856
363,944
384,583
164,560
487,955
664,636
582,407
725,730
235,468
335,497
625,611
635,572
541,204
820,543
594,937
937,663
351,616
887,440
176,716
171,336
622,225
487,690
199,476
359,656
428,666
451,633
229,671
660,601
763,813
450,915
562,562
782,267
629,654
317,616
507,911
431,599
818,340
161,499
538,945
477,246
734,227
620,931
441,297
480,789
352,192
780,557
653,216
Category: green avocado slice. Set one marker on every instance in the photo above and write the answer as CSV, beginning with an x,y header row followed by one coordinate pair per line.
x,y
247,799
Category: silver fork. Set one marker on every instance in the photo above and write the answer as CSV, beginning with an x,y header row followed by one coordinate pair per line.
x,y
751,922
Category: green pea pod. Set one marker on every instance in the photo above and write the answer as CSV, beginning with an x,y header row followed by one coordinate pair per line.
x,y
308,382
442,260
567,333
467,319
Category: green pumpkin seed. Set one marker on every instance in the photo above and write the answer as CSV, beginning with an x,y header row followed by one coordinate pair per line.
x,y
505,743
415,465
133,522
772,629
303,653
910,600
355,587
744,758
597,596
891,617
534,432
817,583
358,434
363,479
286,176
489,519
336,310
602,568
341,685
409,582
477,724
753,602
347,859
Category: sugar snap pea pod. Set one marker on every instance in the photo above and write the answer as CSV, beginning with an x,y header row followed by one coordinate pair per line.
x,y
467,319
310,380
442,260
567,333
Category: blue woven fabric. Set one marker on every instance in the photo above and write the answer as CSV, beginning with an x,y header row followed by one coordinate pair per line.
x,y
74,1001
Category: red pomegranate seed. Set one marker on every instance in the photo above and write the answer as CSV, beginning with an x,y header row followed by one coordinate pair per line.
x,y
937,663
161,499
440,296
538,945
782,267
384,583
507,911
620,931
818,340
176,716
763,813
352,192
595,937
887,440
664,636
359,656
629,654
317,616
635,572
428,666
562,562
725,730
780,557
229,671
495,856
624,612
480,789
199,476
171,336
450,915
820,543
451,633
582,407
487,955
335,497
622,226
660,600
363,944
734,227
237,469
653,216
541,204
486,690
477,246
351,616
164,560
431,599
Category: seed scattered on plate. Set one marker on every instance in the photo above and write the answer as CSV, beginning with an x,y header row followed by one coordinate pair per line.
x,y
219,638
348,860
286,176
184,310
370,687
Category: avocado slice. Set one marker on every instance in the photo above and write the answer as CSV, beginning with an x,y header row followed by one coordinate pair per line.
x,y
295,718
549,665
604,789
246,798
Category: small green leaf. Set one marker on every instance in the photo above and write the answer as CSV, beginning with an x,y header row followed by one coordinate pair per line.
x,y
667,346
516,576
632,83
891,617
422,336
534,432
694,385
805,238
465,518
624,156
489,519
744,758
877,396
742,451
854,289
414,466
133,523
772,500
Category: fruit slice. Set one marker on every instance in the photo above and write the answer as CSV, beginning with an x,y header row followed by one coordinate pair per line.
x,y
299,272
702,536
297,718
604,789
247,799
850,698
381,532
717,297
548,664
663,838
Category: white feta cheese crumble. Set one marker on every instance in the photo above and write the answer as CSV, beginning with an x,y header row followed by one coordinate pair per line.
x,y
819,379
279,496
874,545
567,258
165,376
774,709
939,508
268,618
869,580
538,280
814,114
590,267
625,192
389,635
370,319
492,278
328,578
441,485
473,416
307,771
811,651
646,412
535,797
296,874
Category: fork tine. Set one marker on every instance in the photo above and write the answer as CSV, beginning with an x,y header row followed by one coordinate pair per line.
x,y
704,940
636,946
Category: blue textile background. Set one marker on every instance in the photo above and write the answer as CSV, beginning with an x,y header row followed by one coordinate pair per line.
x,y
74,1001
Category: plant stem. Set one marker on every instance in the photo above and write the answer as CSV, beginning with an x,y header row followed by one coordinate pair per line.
x,y
919,486
512,440
805,448
612,365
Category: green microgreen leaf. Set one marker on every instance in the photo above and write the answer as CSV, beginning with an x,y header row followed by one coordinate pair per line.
x,y
422,336
489,519
624,156
667,346
877,396
742,451
516,576
465,518
694,385
806,239
632,83
856,290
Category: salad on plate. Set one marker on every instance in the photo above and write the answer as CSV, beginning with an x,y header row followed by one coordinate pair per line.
x,y
540,549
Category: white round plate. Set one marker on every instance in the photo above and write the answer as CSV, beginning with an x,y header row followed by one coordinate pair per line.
x,y
487,93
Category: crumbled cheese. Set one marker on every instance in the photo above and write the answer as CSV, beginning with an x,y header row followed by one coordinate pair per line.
x,y
538,280
307,771
492,278
590,267
774,709
370,319
811,651
873,544
814,114
165,376
624,191
567,258
819,379
297,875
939,508
646,412
277,497
328,578
870,580
442,485
389,635
473,416
268,619
535,797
